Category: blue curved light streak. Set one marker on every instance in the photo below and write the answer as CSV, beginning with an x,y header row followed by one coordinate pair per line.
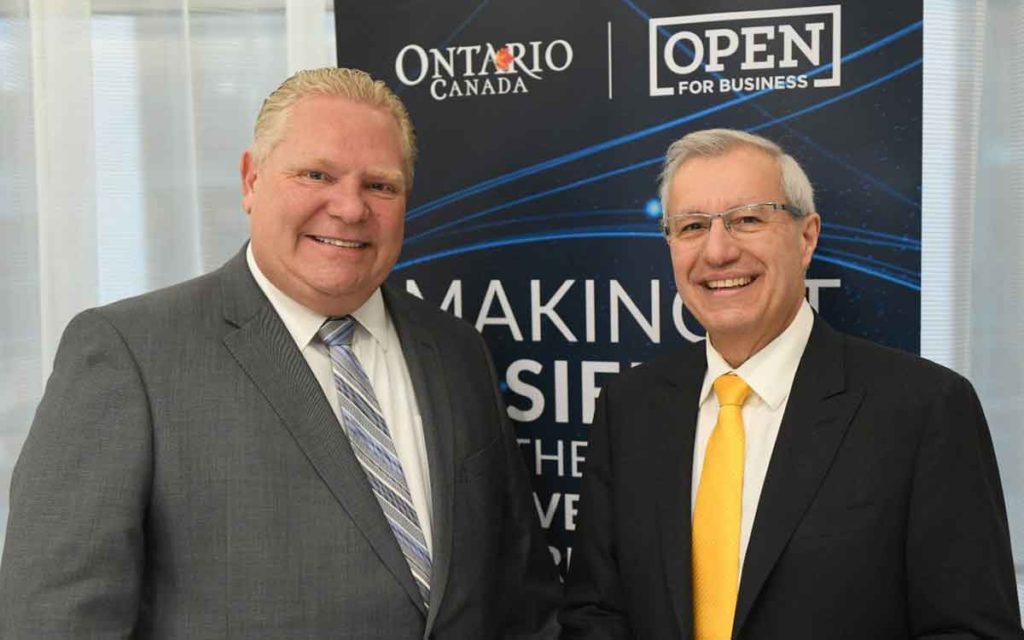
x,y
903,282
451,36
913,242
543,237
864,175
463,24
485,185
533,196
913,274
818,105
878,44
880,239
869,241
526,239
875,181
646,163
504,222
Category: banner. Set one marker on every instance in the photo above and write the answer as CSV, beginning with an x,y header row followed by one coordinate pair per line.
x,y
542,128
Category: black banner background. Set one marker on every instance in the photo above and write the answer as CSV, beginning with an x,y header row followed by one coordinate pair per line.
x,y
519,193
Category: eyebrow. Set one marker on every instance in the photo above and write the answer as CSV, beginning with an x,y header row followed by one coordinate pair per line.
x,y
385,174
376,173
741,203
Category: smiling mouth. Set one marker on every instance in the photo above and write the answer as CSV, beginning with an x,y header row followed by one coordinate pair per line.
x,y
336,242
728,283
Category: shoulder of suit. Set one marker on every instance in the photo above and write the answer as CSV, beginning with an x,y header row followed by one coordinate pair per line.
x,y
887,364
177,313
193,296
671,365
400,303
149,325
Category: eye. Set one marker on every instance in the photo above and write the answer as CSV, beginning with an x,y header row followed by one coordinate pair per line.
x,y
315,175
383,187
748,222
689,226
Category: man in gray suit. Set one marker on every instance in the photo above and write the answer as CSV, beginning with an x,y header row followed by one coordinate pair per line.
x,y
285,447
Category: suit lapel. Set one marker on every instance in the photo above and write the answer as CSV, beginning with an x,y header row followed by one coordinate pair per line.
x,y
434,401
675,404
267,353
817,416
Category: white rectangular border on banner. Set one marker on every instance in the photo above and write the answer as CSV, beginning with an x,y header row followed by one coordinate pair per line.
x,y
834,10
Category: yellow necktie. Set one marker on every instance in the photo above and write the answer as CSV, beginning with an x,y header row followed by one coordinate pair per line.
x,y
716,517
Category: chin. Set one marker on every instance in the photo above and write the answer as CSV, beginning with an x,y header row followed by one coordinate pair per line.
x,y
721,325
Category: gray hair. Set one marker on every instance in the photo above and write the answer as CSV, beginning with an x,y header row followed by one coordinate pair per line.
x,y
352,84
711,143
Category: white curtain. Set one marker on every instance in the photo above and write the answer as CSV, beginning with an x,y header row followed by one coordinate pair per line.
x,y
122,124
121,129
972,302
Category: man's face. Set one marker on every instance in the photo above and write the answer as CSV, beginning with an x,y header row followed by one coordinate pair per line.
x,y
745,291
327,205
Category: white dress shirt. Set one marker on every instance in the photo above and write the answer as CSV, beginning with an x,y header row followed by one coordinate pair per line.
x,y
376,345
769,373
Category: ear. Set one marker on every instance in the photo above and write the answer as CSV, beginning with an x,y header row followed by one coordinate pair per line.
x,y
810,229
247,168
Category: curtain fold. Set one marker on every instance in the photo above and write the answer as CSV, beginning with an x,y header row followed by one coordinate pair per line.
x,y
65,181
122,125
21,369
996,330
972,302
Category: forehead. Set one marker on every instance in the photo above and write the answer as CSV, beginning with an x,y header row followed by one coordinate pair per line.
x,y
742,175
332,122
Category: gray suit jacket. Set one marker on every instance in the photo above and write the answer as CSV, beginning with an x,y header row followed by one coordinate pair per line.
x,y
185,477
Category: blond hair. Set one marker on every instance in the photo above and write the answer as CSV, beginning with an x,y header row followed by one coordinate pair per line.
x,y
352,84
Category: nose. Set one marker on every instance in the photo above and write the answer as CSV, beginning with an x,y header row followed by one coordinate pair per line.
x,y
347,201
720,247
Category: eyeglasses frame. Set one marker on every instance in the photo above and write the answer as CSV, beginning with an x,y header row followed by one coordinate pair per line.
x,y
796,212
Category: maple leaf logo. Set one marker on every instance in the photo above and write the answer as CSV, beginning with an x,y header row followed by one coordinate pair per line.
x,y
503,58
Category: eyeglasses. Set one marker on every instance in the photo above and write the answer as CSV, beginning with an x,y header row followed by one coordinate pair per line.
x,y
742,221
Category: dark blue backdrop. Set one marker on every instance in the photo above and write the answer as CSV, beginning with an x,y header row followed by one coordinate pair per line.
x,y
535,206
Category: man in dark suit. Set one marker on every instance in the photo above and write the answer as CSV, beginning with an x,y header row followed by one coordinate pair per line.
x,y
782,481
283,448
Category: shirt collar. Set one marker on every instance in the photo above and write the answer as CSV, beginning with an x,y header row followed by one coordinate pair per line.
x,y
770,371
303,323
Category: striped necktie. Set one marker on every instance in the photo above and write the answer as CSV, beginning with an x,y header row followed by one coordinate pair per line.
x,y
716,516
371,442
